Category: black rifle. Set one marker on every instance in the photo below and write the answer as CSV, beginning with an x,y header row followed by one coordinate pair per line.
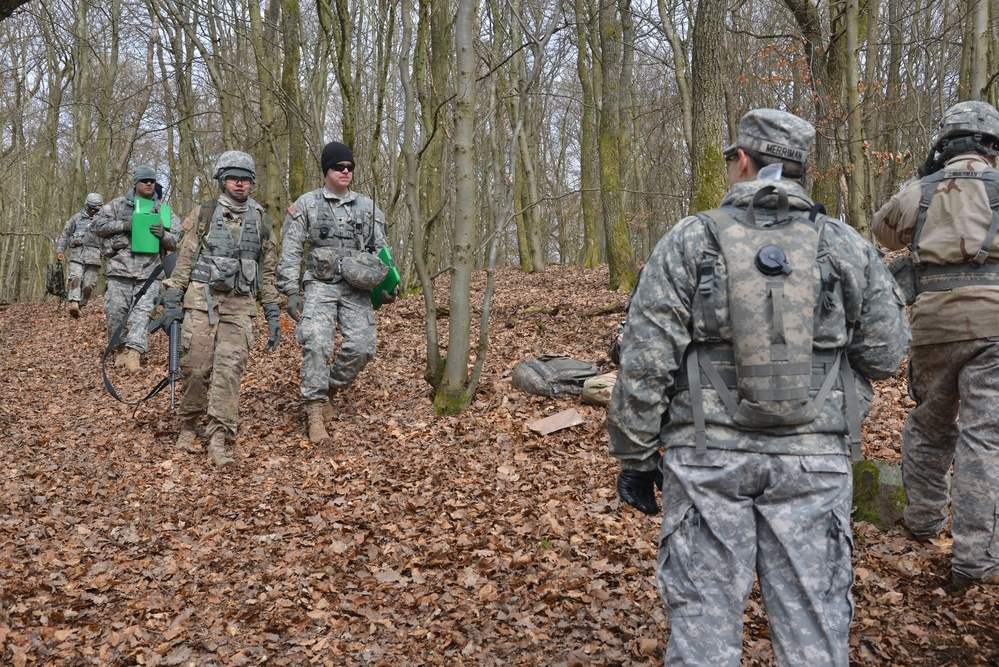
x,y
174,364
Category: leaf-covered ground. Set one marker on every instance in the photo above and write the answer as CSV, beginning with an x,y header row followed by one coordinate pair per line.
x,y
412,540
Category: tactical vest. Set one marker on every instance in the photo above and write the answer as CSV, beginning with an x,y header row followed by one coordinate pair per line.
x,y
224,264
334,233
81,234
980,270
765,371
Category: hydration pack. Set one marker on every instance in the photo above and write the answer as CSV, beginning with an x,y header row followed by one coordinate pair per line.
x,y
765,369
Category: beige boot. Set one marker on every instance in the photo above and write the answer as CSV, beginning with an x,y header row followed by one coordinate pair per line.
x,y
217,450
132,360
328,406
188,435
119,358
317,432
74,309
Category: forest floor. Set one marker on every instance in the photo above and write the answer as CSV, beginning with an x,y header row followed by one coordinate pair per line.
x,y
412,539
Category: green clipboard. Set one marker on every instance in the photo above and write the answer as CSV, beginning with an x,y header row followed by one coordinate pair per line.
x,y
143,218
392,279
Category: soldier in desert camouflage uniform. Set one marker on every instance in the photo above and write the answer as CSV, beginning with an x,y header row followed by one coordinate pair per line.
x,y
326,225
85,262
946,221
127,271
740,497
215,283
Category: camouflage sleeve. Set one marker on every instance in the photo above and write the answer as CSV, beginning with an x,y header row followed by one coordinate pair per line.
x,y
895,222
875,304
268,269
67,233
171,239
656,335
107,223
181,276
294,233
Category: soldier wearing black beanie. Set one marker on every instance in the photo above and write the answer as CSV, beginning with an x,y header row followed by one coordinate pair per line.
x,y
333,153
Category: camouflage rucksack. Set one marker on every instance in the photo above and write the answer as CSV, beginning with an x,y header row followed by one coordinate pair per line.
x,y
552,375
55,280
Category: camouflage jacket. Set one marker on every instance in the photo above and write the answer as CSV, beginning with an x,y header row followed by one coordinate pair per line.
x,y
955,227
121,262
227,303
320,207
78,235
649,408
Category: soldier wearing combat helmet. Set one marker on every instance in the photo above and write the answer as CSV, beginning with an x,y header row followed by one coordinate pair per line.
x,y
948,221
214,288
85,261
740,394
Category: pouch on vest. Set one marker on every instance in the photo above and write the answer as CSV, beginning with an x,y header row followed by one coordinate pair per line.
x,y
222,273
903,270
552,375
324,262
363,270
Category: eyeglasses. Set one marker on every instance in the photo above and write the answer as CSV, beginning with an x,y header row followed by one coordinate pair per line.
x,y
349,166
147,181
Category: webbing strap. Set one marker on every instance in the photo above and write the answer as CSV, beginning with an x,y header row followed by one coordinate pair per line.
x,y
697,403
928,190
113,344
853,417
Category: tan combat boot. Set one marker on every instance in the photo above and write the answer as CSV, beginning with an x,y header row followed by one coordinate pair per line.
x,y
217,450
119,358
132,360
317,432
328,407
74,309
188,435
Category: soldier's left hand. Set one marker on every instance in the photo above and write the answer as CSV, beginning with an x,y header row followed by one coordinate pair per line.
x,y
638,489
272,312
157,230
389,297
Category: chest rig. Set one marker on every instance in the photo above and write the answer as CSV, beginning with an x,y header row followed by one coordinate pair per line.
x,y
764,368
336,231
82,236
225,263
977,271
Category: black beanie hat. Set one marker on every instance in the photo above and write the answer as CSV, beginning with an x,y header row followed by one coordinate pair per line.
x,y
333,153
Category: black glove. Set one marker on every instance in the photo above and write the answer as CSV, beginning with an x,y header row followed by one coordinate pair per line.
x,y
389,297
638,488
157,230
272,312
295,306
172,308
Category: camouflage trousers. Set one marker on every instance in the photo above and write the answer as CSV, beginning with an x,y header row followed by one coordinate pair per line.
x,y
956,389
117,301
728,514
82,280
213,359
328,306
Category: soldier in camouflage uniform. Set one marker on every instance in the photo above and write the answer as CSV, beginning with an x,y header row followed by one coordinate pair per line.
x,y
946,221
127,271
326,225
740,497
85,262
215,284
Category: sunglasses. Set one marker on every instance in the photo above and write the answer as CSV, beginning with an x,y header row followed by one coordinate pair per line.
x,y
342,166
147,181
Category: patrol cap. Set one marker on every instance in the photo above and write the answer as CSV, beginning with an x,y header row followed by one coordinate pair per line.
x,y
143,172
776,133
93,200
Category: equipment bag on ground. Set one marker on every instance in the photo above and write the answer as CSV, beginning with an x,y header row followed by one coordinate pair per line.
x,y
552,375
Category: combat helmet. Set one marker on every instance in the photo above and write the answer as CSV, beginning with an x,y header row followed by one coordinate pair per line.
x,y
234,163
964,126
93,200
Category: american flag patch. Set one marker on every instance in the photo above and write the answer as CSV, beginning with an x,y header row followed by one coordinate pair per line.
x,y
292,210
186,224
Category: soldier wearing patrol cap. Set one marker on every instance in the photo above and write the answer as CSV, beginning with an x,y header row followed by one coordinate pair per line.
x,y
745,358
215,289
127,271
948,221
85,261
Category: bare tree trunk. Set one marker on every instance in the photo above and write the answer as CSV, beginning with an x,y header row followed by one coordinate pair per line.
x,y
292,95
454,393
708,104
588,72
855,173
